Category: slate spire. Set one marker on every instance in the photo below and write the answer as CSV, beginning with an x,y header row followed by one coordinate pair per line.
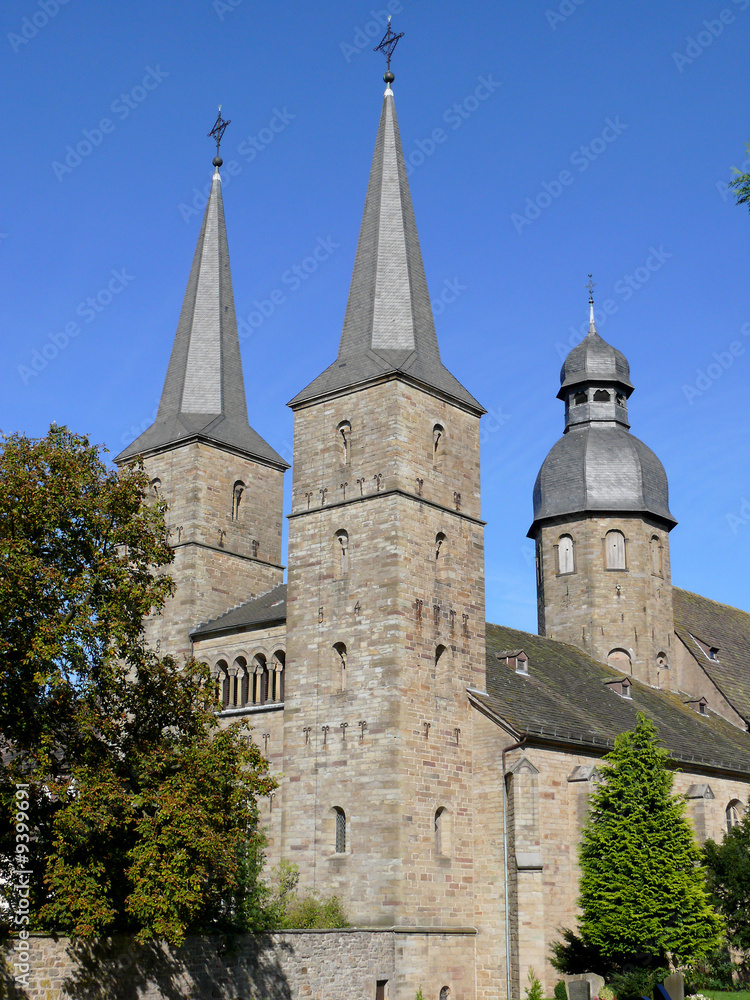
x,y
388,325
204,392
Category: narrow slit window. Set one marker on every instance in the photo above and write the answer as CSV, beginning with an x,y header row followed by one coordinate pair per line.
x,y
438,442
340,655
342,553
340,830
237,490
344,431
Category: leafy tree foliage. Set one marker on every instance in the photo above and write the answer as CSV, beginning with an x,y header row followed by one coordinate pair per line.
x,y
142,813
741,184
643,896
728,875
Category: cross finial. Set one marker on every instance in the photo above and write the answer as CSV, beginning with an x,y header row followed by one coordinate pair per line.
x,y
216,133
386,45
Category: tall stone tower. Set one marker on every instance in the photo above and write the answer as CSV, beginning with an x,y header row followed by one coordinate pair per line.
x,y
602,523
386,592
222,482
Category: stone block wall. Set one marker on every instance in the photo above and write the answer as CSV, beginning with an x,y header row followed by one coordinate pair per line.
x,y
384,733
600,609
224,555
348,964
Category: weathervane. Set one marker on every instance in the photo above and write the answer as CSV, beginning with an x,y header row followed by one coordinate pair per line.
x,y
591,286
216,133
387,44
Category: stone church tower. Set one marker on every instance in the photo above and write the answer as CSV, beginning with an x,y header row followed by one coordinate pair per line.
x,y
223,483
385,613
602,523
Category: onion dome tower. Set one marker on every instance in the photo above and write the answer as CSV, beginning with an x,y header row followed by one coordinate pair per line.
x,y
602,523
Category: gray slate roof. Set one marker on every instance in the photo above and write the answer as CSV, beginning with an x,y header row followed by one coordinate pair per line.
x,y
565,699
388,326
728,630
594,360
204,392
268,609
601,468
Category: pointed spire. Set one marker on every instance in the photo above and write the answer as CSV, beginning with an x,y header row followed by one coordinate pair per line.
x,y
388,325
204,391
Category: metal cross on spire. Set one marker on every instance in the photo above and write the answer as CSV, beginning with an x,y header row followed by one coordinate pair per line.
x,y
386,45
591,286
216,133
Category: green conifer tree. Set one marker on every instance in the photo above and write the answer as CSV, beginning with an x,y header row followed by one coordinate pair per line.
x,y
642,893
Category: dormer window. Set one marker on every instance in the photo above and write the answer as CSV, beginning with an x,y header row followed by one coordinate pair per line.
x,y
516,659
621,687
709,651
699,705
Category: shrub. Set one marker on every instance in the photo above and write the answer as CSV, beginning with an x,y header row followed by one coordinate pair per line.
x,y
535,990
561,990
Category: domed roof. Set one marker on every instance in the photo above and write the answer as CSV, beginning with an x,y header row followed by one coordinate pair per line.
x,y
601,468
594,360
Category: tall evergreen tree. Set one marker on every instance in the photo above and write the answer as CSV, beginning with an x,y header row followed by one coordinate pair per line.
x,y
643,893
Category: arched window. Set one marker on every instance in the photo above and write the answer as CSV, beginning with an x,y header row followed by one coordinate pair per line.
x,y
442,828
342,553
242,682
237,490
222,680
656,556
156,487
344,431
580,397
620,399
662,663
439,553
445,993
565,555
601,396
339,650
734,814
260,679
276,675
340,830
438,434
439,654
620,660
614,550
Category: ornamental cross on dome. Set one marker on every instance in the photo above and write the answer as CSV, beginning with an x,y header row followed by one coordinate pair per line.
x,y
217,132
388,43
591,286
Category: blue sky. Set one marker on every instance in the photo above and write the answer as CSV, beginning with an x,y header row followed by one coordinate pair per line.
x,y
575,137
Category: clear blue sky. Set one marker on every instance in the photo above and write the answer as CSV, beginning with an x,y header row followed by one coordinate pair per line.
x,y
642,107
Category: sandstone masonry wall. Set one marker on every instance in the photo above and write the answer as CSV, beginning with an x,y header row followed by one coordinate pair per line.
x,y
344,964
